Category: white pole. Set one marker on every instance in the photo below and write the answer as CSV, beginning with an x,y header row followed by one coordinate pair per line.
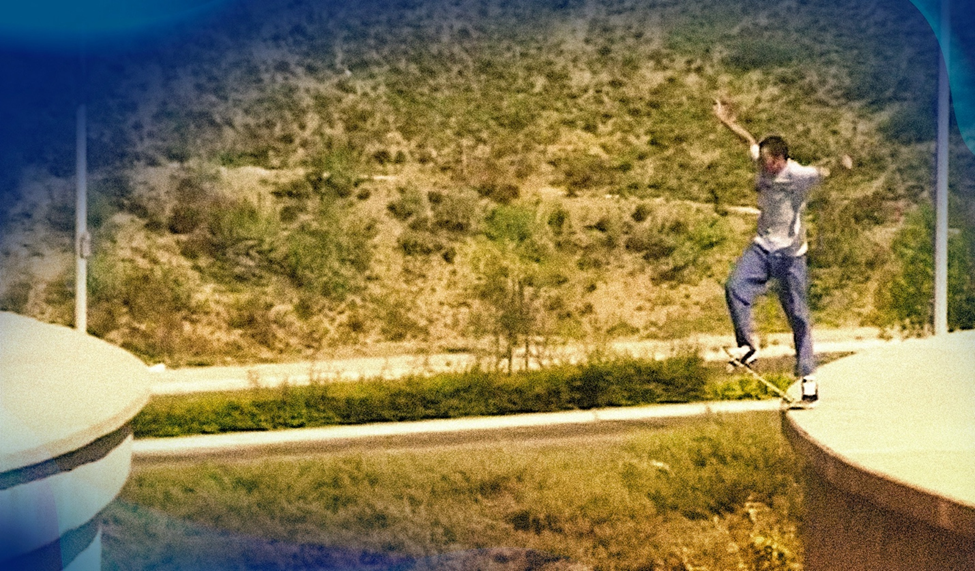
x,y
82,240
941,192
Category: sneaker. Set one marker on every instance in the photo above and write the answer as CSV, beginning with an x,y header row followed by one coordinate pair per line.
x,y
746,354
810,391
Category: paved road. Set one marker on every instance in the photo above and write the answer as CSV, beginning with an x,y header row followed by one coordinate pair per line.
x,y
248,445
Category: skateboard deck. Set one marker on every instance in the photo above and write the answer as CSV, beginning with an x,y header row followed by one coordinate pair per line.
x,y
787,401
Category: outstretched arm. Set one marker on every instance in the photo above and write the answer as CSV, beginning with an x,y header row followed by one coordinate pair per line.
x,y
726,116
846,161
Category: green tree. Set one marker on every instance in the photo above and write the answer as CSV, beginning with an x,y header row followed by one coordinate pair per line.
x,y
514,270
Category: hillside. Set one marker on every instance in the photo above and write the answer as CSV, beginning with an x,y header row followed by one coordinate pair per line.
x,y
289,181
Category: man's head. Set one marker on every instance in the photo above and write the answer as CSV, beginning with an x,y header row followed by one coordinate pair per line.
x,y
773,154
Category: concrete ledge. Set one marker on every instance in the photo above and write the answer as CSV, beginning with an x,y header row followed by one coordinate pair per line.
x,y
66,400
884,490
891,452
61,390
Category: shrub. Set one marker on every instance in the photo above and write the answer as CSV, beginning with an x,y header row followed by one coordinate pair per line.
x,y
109,195
679,241
16,296
251,314
193,195
409,203
398,317
907,298
502,193
232,222
299,188
603,382
584,171
419,243
328,256
148,295
641,212
558,219
458,211
748,52
621,382
151,304
511,224
910,124
235,240
335,172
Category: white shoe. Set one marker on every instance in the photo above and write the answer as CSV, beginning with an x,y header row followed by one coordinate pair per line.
x,y
810,391
746,354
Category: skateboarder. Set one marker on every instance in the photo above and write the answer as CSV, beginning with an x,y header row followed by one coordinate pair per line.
x,y
777,252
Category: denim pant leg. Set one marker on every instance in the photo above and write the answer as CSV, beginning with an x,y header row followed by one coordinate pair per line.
x,y
748,280
792,275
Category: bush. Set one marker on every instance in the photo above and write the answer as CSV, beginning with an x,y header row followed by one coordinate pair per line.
x,y
651,243
458,211
151,304
192,196
641,212
410,203
299,188
907,298
678,241
16,296
621,382
327,259
147,295
419,243
558,220
604,382
335,172
511,224
236,236
582,172
910,124
748,53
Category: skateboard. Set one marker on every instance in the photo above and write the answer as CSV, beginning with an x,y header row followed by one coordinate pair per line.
x,y
788,403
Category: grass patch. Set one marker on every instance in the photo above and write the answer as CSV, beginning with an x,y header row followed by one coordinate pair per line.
x,y
715,493
598,383
608,382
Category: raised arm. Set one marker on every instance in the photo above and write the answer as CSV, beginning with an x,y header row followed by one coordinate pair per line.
x,y
726,116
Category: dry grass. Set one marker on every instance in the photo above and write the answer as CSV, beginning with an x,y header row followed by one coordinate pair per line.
x,y
721,493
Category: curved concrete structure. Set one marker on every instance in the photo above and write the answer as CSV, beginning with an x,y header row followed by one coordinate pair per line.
x,y
891,452
65,444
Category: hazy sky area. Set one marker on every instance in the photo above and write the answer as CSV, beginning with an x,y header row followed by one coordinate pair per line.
x,y
56,53
52,57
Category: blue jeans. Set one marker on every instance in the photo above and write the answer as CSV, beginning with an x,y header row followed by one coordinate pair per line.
x,y
750,279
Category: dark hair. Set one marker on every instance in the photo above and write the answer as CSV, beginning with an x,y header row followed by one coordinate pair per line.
x,y
775,146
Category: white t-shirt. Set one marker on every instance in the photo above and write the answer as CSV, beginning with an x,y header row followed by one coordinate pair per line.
x,y
782,202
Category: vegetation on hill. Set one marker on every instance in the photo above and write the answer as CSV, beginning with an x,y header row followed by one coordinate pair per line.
x,y
486,174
